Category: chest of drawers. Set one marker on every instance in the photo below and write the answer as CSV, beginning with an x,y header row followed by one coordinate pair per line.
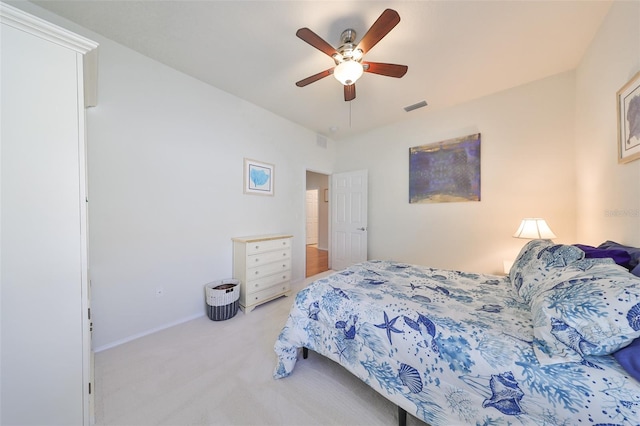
x,y
262,264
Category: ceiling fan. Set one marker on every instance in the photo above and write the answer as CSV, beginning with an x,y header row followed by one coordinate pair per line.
x,y
348,56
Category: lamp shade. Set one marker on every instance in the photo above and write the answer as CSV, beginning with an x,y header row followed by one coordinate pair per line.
x,y
348,72
534,228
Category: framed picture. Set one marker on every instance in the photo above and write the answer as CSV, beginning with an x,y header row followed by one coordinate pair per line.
x,y
445,172
629,120
258,177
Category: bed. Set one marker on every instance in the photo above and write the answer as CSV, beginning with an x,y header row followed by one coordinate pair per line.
x,y
552,343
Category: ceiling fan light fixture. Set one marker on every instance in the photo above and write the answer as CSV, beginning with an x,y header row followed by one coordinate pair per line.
x,y
348,72
348,55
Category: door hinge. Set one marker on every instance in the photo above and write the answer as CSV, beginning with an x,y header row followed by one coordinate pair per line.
x,y
89,388
89,313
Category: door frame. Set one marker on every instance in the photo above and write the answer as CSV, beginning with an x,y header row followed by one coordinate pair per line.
x,y
320,195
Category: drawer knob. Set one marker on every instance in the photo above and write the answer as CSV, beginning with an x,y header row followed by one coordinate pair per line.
x,y
257,272
256,285
284,254
284,276
257,247
284,266
257,260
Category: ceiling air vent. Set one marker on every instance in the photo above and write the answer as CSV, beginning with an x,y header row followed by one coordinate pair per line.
x,y
415,106
321,141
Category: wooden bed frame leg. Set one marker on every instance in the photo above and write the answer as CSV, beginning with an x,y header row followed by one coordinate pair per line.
x,y
402,416
305,353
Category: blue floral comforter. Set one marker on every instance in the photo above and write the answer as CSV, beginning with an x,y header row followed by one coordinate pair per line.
x,y
451,348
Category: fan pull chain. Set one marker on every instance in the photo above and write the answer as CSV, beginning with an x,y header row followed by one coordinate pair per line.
x,y
350,114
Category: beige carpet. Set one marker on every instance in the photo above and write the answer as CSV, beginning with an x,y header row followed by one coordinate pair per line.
x,y
205,372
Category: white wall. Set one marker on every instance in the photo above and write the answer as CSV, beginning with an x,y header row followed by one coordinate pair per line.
x,y
527,171
608,193
549,149
165,176
165,165
165,180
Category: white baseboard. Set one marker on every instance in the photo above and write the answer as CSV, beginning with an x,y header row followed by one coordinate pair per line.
x,y
146,333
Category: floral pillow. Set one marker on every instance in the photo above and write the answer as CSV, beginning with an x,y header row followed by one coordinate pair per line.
x,y
593,313
541,262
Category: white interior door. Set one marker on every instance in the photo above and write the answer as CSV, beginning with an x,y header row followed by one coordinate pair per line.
x,y
348,218
312,216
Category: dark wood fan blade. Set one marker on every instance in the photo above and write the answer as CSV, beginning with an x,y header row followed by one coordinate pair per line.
x,y
390,70
379,29
314,77
316,41
349,92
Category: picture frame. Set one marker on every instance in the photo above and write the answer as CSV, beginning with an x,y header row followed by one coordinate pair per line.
x,y
628,108
446,171
259,177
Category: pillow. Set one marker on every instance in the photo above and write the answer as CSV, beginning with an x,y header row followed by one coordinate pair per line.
x,y
539,262
592,313
523,263
634,252
619,256
629,359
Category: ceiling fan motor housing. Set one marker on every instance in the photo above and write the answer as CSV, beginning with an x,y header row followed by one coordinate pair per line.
x,y
348,57
348,50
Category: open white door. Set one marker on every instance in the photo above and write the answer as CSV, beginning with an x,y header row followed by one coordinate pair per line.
x,y
348,218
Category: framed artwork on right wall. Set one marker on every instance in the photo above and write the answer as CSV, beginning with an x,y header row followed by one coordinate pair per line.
x,y
628,99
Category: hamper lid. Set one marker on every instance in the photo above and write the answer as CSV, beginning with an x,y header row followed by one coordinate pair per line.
x,y
222,284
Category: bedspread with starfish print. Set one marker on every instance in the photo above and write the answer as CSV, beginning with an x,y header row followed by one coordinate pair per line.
x,y
451,348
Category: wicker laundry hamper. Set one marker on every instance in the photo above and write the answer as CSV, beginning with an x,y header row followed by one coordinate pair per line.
x,y
223,299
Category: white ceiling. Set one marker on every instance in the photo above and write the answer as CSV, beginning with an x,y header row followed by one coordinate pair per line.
x,y
455,50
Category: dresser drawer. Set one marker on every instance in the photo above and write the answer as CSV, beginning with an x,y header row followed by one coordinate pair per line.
x,y
268,269
268,257
268,245
268,293
265,282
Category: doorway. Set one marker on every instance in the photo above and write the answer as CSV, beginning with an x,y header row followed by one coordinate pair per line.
x,y
317,223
